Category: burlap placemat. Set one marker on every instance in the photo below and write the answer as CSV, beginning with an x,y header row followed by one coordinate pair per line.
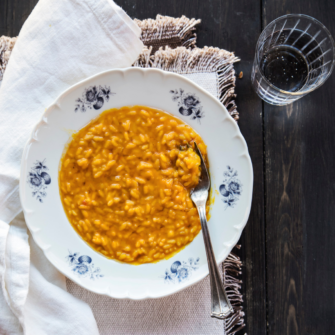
x,y
171,46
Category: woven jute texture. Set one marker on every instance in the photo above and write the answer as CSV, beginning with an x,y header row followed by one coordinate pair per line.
x,y
171,46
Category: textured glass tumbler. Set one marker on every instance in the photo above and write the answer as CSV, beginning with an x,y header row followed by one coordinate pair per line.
x,y
294,56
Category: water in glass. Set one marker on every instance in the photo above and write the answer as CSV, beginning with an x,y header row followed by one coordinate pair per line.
x,y
293,57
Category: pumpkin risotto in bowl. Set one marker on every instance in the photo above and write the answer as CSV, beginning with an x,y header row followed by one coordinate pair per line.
x,y
125,182
106,177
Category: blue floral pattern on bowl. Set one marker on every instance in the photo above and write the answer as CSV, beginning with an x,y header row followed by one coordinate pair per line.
x,y
83,266
39,180
181,271
188,103
231,187
93,97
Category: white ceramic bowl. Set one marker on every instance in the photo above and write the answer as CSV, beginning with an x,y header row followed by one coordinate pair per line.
x,y
230,168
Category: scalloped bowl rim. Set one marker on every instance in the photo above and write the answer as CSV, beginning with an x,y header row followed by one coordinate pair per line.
x,y
42,122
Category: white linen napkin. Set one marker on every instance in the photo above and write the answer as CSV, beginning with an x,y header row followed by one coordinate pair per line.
x,y
61,43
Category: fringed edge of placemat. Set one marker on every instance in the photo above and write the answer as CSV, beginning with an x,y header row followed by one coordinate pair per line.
x,y
166,30
231,270
197,60
6,47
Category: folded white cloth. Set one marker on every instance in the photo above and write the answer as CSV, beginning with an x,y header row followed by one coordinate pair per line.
x,y
61,43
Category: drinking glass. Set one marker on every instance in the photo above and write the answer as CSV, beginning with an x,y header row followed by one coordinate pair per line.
x,y
294,56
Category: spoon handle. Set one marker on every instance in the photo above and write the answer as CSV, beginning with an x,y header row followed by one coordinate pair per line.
x,y
221,307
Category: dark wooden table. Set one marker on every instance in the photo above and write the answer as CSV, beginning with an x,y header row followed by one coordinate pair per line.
x,y
288,243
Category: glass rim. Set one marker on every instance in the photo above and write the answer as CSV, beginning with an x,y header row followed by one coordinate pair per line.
x,y
332,63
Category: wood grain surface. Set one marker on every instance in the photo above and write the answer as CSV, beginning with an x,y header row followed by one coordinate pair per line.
x,y
300,194
287,246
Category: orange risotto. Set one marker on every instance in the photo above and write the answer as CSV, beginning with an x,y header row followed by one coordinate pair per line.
x,y
125,181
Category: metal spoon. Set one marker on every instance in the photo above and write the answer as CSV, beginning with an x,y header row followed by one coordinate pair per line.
x,y
221,307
